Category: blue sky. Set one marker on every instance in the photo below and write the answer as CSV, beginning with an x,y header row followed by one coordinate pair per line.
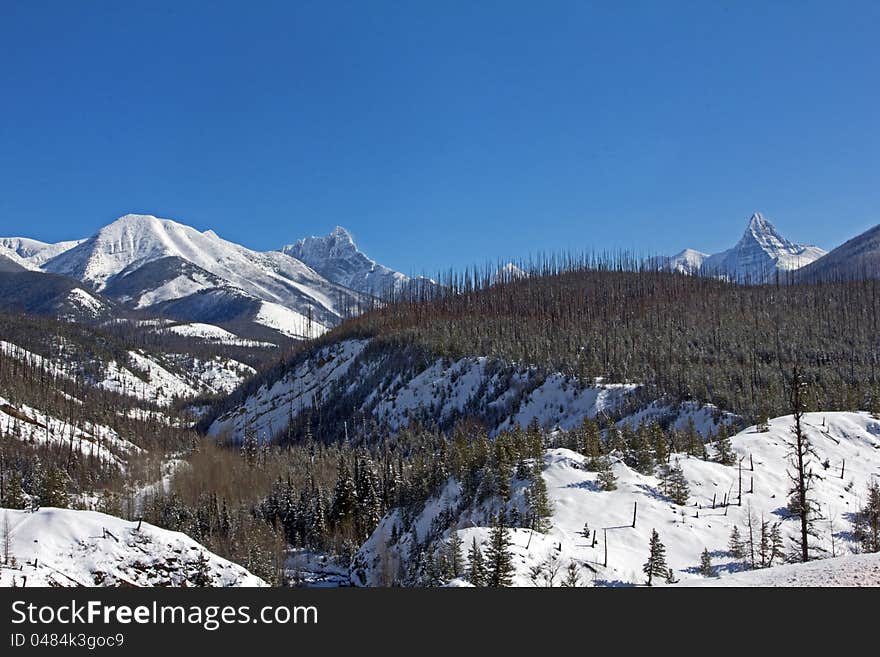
x,y
443,133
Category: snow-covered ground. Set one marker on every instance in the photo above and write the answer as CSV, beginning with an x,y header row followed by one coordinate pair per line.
x,y
269,411
443,390
288,322
144,377
212,333
93,440
846,443
851,570
61,547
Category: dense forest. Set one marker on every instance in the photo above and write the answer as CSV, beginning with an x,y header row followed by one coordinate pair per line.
x,y
692,337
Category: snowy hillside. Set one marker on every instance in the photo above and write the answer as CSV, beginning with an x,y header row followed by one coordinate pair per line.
x,y
397,392
337,258
145,376
848,456
93,441
61,547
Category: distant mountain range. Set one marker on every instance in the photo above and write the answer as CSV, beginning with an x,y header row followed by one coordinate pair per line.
x,y
757,257
144,265
159,266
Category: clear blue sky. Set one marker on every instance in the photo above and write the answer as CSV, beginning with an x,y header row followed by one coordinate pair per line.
x,y
443,133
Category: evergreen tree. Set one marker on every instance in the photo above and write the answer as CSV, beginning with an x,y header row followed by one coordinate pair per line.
x,y
677,485
13,493
499,560
345,502
726,455
606,479
706,567
538,501
476,568
656,563
54,490
454,555
867,526
736,545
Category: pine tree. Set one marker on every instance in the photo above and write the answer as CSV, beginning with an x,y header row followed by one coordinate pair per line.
x,y
777,546
607,480
476,568
726,455
54,490
538,501
867,526
498,557
677,485
656,563
13,493
345,502
706,567
454,556
736,545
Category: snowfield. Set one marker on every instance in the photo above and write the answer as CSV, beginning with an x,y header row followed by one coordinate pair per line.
x,y
61,547
847,444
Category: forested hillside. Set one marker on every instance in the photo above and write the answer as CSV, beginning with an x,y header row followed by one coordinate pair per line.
x,y
689,336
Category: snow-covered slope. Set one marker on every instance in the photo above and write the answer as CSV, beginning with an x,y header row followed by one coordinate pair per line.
x,y
851,570
760,253
96,441
61,547
847,443
337,258
398,390
145,261
153,378
35,252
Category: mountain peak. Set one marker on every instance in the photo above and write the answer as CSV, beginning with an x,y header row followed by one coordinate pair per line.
x,y
341,232
337,258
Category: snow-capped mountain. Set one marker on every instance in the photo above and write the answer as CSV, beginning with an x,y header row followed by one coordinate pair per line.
x,y
855,259
688,261
760,253
337,258
34,253
147,262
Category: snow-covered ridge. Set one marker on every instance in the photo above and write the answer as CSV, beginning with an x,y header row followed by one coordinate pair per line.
x,y
62,547
438,392
848,457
